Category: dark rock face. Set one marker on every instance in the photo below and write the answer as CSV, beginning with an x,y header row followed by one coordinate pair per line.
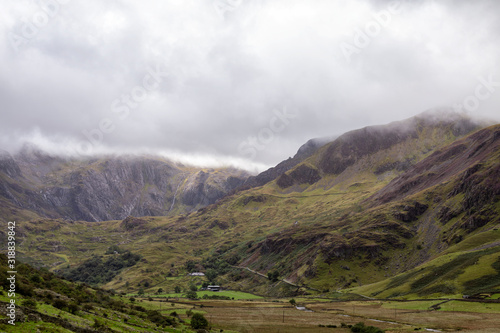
x,y
303,174
108,188
411,212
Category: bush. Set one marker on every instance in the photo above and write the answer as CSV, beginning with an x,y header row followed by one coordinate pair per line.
x,y
98,324
191,294
60,304
273,276
73,308
361,328
29,303
198,321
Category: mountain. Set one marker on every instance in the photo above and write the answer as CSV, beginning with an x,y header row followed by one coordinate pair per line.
x,y
416,199
33,183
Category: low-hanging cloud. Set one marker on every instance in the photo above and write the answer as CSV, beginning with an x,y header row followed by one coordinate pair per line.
x,y
201,79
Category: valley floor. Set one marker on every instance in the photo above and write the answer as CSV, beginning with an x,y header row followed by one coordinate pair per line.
x,y
263,316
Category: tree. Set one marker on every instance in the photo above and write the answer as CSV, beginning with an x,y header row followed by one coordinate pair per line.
x,y
177,289
273,276
159,291
191,294
211,274
190,265
140,292
198,321
292,301
192,287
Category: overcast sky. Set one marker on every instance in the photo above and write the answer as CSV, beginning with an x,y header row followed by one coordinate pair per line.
x,y
235,81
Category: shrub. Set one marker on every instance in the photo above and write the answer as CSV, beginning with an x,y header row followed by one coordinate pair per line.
x,y
73,308
29,303
60,304
273,276
191,294
98,324
198,321
361,328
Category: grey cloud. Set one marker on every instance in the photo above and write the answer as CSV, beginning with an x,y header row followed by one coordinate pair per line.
x,y
229,65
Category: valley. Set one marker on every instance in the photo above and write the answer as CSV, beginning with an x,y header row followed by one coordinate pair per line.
x,y
379,223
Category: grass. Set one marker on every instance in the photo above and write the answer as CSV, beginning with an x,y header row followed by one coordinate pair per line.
x,y
237,295
33,327
457,306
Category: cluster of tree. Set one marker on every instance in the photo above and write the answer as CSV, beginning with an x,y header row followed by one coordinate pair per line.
x,y
96,270
206,296
215,265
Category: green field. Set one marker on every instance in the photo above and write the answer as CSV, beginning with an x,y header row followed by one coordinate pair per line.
x,y
237,295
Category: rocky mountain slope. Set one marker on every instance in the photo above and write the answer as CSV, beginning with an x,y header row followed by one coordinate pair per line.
x,y
305,151
97,189
372,204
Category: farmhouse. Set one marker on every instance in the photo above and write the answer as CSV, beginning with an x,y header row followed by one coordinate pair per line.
x,y
196,274
214,288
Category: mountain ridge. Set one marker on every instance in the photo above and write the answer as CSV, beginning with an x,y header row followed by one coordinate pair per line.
x,y
109,187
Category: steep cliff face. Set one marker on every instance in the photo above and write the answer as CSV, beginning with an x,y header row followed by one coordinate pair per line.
x,y
108,188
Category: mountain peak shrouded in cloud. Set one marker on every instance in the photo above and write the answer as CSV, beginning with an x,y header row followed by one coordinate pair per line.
x,y
209,81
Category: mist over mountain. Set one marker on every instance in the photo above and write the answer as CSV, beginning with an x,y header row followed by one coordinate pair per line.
x,y
107,187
